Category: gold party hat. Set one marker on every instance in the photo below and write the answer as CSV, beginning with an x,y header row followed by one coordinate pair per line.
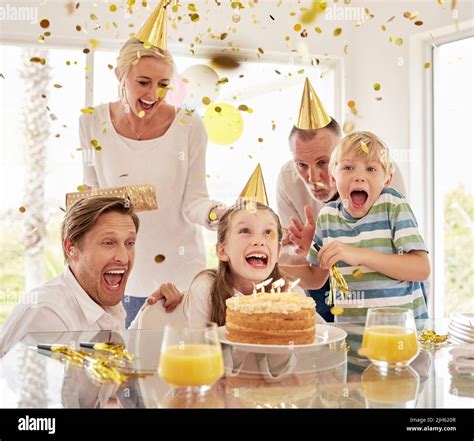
x,y
255,187
154,30
312,114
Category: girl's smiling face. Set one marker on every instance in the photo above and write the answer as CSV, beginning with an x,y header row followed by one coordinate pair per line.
x,y
251,247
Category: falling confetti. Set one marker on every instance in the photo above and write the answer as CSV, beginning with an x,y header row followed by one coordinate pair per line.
x,y
376,86
113,8
57,86
352,105
318,30
399,41
364,147
427,65
206,101
320,184
337,32
44,23
337,310
82,187
22,209
357,273
272,235
160,258
348,127
88,110
212,214
260,139
141,114
297,27
194,17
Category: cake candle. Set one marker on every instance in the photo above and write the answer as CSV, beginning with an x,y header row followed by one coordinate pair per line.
x,y
261,286
278,284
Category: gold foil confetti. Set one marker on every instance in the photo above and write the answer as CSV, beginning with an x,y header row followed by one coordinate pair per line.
x,y
236,18
22,209
223,80
57,86
352,106
94,142
418,23
93,16
160,258
399,41
337,310
376,86
112,8
337,32
429,339
88,110
212,216
206,101
348,127
44,23
141,114
261,50
364,147
82,187
161,92
427,65
320,184
194,17
297,27
272,235
357,273
318,30
218,109
260,139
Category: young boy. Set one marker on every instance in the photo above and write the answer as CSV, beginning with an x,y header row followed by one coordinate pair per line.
x,y
370,232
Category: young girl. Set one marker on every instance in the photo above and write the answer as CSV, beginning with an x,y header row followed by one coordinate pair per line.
x,y
248,244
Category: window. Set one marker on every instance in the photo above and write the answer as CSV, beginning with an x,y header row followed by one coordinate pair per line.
x,y
61,100
453,177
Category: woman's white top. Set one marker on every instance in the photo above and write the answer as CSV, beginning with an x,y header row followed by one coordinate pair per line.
x,y
175,163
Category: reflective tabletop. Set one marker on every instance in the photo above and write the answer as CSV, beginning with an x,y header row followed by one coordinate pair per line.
x,y
330,375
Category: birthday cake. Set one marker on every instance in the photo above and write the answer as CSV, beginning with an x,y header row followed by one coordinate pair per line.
x,y
271,318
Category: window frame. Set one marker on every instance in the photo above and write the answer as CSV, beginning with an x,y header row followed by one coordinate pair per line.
x,y
422,154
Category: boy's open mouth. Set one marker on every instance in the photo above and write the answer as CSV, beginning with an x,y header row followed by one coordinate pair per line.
x,y
359,198
257,260
113,278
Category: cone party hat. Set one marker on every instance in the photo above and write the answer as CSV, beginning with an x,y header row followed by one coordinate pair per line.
x,y
154,30
255,187
312,114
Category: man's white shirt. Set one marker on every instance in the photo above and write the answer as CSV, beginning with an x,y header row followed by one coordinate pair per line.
x,y
59,305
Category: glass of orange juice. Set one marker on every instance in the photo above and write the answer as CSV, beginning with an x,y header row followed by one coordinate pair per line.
x,y
390,337
191,357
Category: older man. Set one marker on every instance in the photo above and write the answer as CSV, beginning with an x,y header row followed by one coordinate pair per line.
x,y
98,237
304,180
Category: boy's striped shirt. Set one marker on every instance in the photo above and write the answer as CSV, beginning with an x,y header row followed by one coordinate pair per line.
x,y
389,227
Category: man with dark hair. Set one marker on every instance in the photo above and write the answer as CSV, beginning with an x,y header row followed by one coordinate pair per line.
x,y
98,237
304,180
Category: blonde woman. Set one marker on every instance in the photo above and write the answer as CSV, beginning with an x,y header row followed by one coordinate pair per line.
x,y
144,140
